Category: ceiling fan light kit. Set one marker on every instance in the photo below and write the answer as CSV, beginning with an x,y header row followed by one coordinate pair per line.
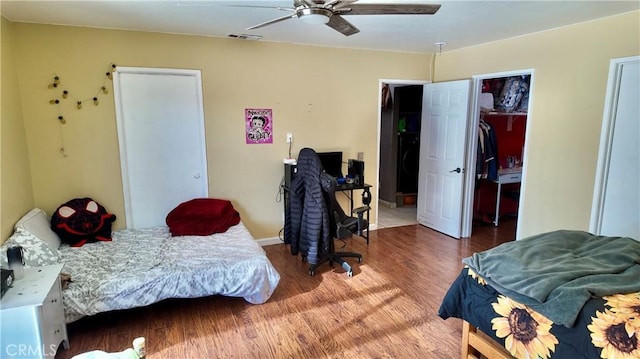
x,y
314,16
330,13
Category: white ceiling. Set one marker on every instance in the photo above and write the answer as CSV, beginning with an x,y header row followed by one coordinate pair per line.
x,y
458,23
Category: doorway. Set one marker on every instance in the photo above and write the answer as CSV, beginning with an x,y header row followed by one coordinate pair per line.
x,y
512,116
398,151
616,199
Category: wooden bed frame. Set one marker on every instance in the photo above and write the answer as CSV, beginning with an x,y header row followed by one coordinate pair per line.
x,y
476,344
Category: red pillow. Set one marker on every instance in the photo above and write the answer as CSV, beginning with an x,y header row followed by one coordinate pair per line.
x,y
202,217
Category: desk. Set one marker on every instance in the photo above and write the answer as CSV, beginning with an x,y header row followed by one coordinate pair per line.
x,y
347,189
350,187
507,175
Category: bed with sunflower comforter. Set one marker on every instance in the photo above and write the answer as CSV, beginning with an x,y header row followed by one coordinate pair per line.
x,y
563,294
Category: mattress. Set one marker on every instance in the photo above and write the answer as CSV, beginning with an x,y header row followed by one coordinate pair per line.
x,y
143,266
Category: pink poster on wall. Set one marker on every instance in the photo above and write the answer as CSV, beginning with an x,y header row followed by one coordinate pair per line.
x,y
259,125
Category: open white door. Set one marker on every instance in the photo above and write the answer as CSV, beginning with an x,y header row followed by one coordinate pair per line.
x,y
445,109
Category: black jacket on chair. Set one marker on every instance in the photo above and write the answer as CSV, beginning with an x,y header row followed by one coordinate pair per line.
x,y
308,227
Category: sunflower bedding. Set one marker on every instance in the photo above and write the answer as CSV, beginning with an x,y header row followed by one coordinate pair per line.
x,y
564,294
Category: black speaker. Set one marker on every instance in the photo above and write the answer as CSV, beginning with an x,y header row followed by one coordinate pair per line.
x,y
289,173
356,171
7,280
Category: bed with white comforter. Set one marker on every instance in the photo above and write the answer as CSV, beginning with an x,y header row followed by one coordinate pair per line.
x,y
143,266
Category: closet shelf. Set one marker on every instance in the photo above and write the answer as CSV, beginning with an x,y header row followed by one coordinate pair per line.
x,y
494,113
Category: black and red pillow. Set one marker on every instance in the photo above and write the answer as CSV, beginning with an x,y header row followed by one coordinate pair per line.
x,y
82,220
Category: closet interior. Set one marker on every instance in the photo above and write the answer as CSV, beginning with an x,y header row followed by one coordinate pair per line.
x,y
500,148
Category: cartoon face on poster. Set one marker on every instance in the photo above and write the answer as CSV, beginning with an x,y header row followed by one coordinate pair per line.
x,y
259,125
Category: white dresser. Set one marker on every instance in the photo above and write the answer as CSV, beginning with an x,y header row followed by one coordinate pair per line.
x,y
32,315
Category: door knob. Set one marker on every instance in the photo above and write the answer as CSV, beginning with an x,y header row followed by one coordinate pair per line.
x,y
457,170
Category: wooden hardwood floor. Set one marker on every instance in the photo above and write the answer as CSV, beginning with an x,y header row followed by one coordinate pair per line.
x,y
388,309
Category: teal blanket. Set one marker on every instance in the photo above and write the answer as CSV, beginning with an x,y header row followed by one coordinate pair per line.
x,y
556,273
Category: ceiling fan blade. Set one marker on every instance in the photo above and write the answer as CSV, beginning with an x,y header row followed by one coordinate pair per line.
x,y
263,7
341,25
272,21
308,3
207,4
389,9
339,4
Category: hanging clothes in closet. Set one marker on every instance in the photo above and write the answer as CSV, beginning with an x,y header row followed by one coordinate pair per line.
x,y
487,154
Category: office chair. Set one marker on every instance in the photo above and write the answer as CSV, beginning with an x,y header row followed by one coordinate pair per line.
x,y
348,226
342,227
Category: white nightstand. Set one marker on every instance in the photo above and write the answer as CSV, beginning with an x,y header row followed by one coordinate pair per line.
x,y
32,315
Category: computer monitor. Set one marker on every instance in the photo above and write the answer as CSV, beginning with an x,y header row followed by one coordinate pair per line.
x,y
332,163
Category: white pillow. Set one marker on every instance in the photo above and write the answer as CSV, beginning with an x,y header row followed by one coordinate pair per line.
x,y
36,252
37,223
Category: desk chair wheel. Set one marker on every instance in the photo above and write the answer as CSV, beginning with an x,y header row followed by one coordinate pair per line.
x,y
347,269
312,272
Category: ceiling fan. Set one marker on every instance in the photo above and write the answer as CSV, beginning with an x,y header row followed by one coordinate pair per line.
x,y
330,13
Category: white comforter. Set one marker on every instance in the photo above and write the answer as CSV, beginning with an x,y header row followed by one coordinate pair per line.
x,y
143,266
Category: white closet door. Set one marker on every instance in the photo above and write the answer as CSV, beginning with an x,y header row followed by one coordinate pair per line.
x,y
162,143
616,204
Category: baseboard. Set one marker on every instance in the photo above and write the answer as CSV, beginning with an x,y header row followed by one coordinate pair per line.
x,y
269,241
387,204
276,240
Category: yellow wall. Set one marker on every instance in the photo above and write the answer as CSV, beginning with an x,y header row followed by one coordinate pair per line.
x,y
16,194
328,99
571,68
